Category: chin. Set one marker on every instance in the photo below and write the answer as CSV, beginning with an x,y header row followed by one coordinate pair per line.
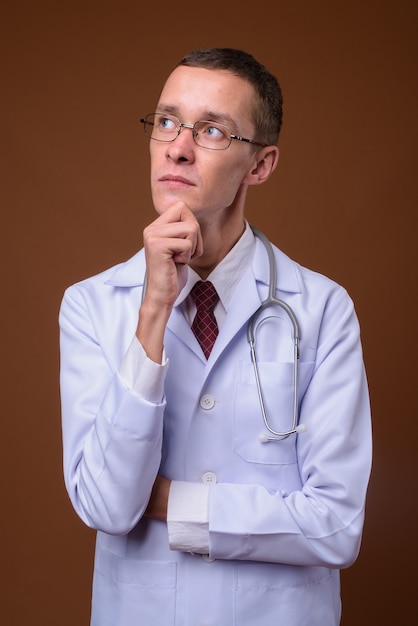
x,y
163,202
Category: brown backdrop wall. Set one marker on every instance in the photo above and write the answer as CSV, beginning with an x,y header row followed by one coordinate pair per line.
x,y
77,77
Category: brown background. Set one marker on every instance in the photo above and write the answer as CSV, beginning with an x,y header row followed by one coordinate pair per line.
x,y
76,79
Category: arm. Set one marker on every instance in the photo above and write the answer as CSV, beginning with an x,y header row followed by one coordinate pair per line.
x,y
315,518
112,436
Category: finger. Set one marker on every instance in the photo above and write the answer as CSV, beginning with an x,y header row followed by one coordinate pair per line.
x,y
177,223
198,251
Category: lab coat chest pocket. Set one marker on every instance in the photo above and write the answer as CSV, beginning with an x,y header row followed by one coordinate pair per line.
x,y
276,380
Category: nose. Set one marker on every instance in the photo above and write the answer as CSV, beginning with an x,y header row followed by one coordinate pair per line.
x,y
183,147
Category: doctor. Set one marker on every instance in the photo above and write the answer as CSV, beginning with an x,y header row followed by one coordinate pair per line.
x,y
200,521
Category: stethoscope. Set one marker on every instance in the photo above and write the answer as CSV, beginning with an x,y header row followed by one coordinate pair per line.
x,y
271,300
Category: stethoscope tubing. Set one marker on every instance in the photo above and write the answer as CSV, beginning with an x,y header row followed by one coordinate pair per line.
x,y
271,300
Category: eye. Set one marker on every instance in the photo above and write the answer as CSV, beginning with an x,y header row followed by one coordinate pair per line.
x,y
166,123
215,132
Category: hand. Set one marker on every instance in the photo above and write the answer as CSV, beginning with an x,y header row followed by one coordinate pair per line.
x,y
158,502
170,243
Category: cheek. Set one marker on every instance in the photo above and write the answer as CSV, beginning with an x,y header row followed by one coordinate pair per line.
x,y
227,181
155,160
159,196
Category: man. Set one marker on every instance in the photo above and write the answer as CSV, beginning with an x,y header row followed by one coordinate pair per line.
x,y
204,515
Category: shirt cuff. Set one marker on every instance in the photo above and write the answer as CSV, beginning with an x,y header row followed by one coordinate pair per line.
x,y
141,375
188,517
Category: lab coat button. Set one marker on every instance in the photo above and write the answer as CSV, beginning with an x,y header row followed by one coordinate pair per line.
x,y
209,478
207,402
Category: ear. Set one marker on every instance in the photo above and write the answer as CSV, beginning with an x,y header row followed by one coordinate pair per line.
x,y
266,161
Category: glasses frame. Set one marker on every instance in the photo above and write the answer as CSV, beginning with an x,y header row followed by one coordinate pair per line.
x,y
182,125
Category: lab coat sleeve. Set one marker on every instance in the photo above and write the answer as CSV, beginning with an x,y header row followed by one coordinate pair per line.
x,y
111,435
142,375
320,523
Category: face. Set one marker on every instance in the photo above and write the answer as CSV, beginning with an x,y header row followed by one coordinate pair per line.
x,y
208,181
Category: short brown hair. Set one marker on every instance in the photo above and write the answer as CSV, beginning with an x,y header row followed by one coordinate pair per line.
x,y
268,112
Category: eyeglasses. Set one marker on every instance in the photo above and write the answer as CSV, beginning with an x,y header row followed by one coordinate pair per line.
x,y
206,134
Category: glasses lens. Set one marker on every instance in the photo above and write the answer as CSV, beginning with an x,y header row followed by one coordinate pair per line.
x,y
212,135
161,127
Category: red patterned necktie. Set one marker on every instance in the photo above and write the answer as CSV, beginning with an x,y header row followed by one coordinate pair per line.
x,y
204,324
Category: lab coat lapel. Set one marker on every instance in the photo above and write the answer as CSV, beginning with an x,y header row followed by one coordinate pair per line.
x,y
251,291
179,326
246,300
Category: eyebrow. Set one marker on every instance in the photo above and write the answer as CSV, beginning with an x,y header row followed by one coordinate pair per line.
x,y
210,116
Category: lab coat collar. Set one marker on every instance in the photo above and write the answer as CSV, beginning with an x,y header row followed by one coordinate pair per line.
x,y
131,272
288,272
249,293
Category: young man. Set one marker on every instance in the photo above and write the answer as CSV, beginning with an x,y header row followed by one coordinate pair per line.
x,y
204,515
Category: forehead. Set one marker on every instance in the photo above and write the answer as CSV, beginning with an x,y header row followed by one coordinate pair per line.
x,y
201,93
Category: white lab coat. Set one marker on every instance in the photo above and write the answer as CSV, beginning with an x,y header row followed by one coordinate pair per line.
x,y
284,517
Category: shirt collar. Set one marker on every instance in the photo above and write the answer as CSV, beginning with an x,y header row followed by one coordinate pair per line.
x,y
228,272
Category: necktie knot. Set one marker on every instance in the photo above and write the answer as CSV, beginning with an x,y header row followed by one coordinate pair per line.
x,y
204,295
204,324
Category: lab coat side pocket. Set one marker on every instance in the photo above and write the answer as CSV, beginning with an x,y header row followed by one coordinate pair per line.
x,y
276,381
128,592
268,594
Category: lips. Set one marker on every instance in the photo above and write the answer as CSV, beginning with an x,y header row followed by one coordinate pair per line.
x,y
175,180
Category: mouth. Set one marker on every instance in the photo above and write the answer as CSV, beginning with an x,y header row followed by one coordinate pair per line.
x,y
176,181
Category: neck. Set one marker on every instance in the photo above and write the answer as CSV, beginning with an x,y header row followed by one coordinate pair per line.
x,y
217,242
